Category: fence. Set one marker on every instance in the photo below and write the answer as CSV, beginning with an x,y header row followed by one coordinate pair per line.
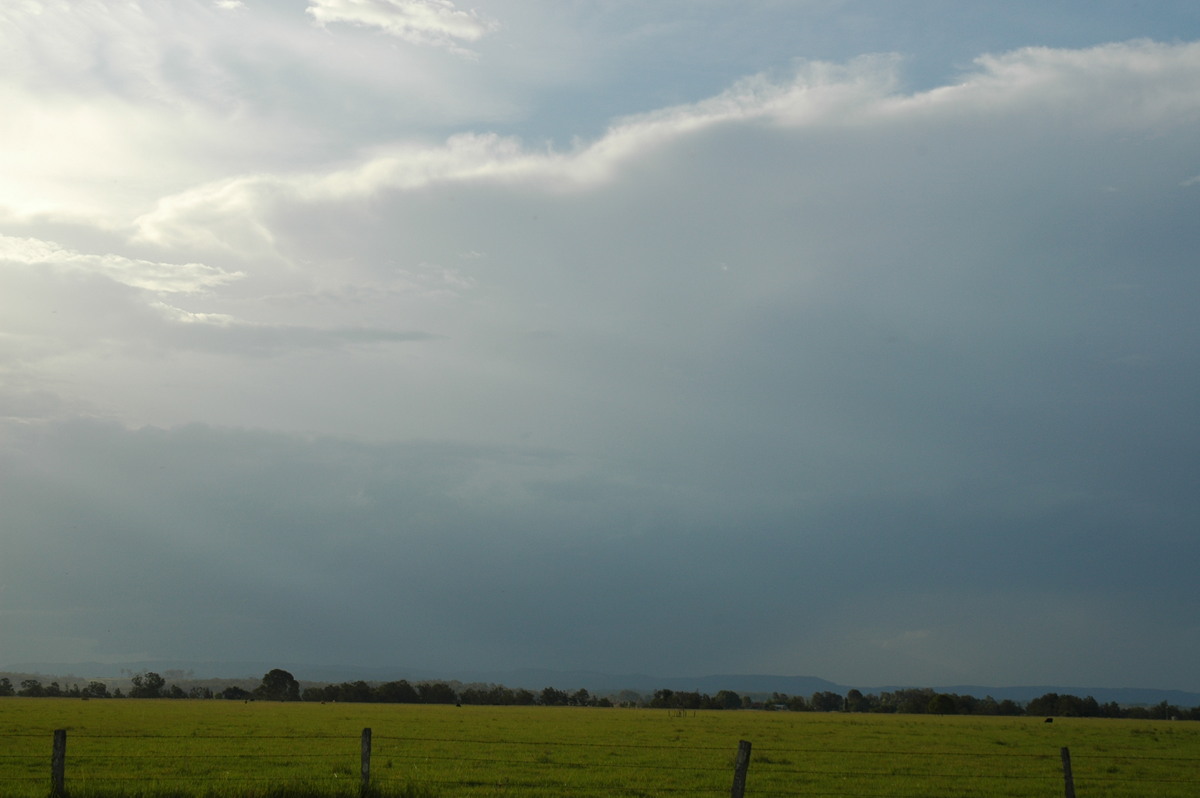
x,y
199,763
466,767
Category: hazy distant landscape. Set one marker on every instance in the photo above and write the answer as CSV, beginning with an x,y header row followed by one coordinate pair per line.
x,y
248,675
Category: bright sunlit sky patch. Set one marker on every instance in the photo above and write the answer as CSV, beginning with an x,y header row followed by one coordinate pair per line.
x,y
845,338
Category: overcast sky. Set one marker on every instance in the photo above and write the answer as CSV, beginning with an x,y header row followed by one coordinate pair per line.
x,y
846,338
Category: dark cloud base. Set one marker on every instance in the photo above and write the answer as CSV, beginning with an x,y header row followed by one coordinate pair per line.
x,y
206,543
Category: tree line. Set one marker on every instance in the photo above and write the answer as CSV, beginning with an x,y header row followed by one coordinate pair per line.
x,y
280,685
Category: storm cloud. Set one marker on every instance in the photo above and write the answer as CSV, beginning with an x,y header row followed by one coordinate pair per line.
x,y
846,366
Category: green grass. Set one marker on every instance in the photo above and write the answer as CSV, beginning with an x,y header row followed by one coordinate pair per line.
x,y
229,749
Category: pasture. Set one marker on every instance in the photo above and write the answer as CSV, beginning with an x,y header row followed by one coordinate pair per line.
x,y
231,749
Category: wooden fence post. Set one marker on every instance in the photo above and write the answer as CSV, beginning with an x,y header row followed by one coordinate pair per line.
x,y
58,764
740,766
366,762
1068,779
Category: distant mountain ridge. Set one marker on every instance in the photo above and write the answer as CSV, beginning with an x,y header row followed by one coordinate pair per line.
x,y
593,681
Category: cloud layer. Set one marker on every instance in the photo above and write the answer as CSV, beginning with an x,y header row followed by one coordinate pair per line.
x,y
887,384
436,22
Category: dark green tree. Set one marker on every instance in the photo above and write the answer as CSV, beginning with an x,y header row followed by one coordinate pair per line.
x,y
1008,708
857,702
727,699
31,688
95,690
147,685
436,693
826,701
913,701
6,687
327,693
796,703
663,699
278,685
357,692
553,697
1046,704
942,704
400,692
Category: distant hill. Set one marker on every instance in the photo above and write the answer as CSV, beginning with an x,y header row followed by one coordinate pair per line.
x,y
594,682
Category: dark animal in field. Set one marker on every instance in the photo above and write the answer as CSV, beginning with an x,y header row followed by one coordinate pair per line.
x,y
1048,720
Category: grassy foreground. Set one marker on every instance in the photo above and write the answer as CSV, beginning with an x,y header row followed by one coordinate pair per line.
x,y
224,749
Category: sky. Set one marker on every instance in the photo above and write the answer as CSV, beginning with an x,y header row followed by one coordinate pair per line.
x,y
845,338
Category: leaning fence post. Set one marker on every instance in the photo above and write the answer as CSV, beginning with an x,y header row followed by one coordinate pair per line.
x,y
58,764
366,761
740,766
1068,779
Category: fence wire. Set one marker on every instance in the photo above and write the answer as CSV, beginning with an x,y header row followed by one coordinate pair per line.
x,y
458,766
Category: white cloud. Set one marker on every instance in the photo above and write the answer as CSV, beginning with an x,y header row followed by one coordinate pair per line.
x,y
235,213
1135,85
232,213
110,106
221,332
427,22
169,278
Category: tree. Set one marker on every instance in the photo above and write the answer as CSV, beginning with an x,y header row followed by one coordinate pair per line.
x,y
553,697
31,688
95,690
357,691
1008,708
322,694
400,692
278,685
147,685
727,699
1046,704
663,698
913,701
630,698
856,701
826,701
942,704
796,703
436,693
6,687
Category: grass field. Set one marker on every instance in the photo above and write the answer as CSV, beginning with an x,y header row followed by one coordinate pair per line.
x,y
228,749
